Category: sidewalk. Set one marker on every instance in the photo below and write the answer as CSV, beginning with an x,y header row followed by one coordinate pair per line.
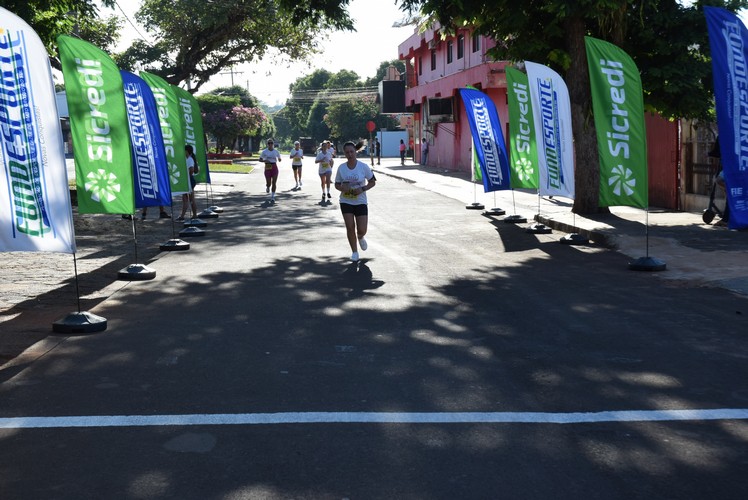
x,y
701,254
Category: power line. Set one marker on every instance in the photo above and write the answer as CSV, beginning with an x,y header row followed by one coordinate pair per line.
x,y
142,36
338,94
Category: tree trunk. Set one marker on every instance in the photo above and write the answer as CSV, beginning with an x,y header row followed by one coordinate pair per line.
x,y
587,168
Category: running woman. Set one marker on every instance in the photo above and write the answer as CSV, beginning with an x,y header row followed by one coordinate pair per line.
x,y
297,154
325,162
270,157
353,179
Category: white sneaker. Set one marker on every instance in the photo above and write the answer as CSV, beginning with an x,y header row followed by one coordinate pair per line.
x,y
354,257
362,243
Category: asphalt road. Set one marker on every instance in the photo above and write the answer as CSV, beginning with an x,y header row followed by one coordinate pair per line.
x,y
249,353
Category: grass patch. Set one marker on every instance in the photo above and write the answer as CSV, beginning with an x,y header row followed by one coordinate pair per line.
x,y
235,168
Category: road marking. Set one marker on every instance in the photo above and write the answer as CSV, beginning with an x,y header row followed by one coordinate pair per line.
x,y
372,418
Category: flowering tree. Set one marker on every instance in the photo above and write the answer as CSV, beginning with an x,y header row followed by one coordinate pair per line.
x,y
228,124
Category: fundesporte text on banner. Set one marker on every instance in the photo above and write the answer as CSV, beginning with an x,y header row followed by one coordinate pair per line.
x,y
523,151
488,139
150,169
172,130
618,107
554,137
728,39
194,134
35,210
99,128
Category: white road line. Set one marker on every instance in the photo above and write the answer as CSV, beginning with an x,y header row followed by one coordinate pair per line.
x,y
371,418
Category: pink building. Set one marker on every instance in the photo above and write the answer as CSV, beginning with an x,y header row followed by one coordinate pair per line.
x,y
437,68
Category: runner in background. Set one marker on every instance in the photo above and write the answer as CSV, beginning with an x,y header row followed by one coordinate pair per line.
x,y
297,154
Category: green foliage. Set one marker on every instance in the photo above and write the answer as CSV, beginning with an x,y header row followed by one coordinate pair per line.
x,y
198,39
52,18
382,71
347,118
226,116
210,103
316,126
326,105
334,10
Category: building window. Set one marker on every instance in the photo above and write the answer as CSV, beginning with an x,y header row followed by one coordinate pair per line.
x,y
450,45
476,42
420,65
433,59
460,46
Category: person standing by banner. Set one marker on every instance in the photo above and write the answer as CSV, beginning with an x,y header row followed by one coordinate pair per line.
x,y
402,152
270,157
297,155
353,179
189,198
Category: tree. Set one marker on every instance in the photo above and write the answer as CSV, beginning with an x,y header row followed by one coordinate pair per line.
x,y
236,105
197,39
316,125
666,38
347,118
227,125
52,18
382,72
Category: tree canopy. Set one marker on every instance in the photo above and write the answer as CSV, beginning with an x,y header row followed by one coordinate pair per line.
x,y
232,112
196,39
52,18
331,105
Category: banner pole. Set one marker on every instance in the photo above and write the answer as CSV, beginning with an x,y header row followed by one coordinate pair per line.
x,y
646,228
77,285
174,243
516,218
135,238
647,263
538,227
81,321
208,213
136,271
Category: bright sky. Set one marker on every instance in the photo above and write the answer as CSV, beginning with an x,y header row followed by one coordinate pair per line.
x,y
361,51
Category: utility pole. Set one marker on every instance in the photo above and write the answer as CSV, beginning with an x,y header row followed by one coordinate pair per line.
x,y
232,72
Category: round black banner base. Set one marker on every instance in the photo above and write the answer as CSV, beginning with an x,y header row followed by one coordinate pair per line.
x,y
574,239
195,223
174,245
208,214
497,211
191,232
136,272
647,264
539,228
515,219
79,322
475,206
216,209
